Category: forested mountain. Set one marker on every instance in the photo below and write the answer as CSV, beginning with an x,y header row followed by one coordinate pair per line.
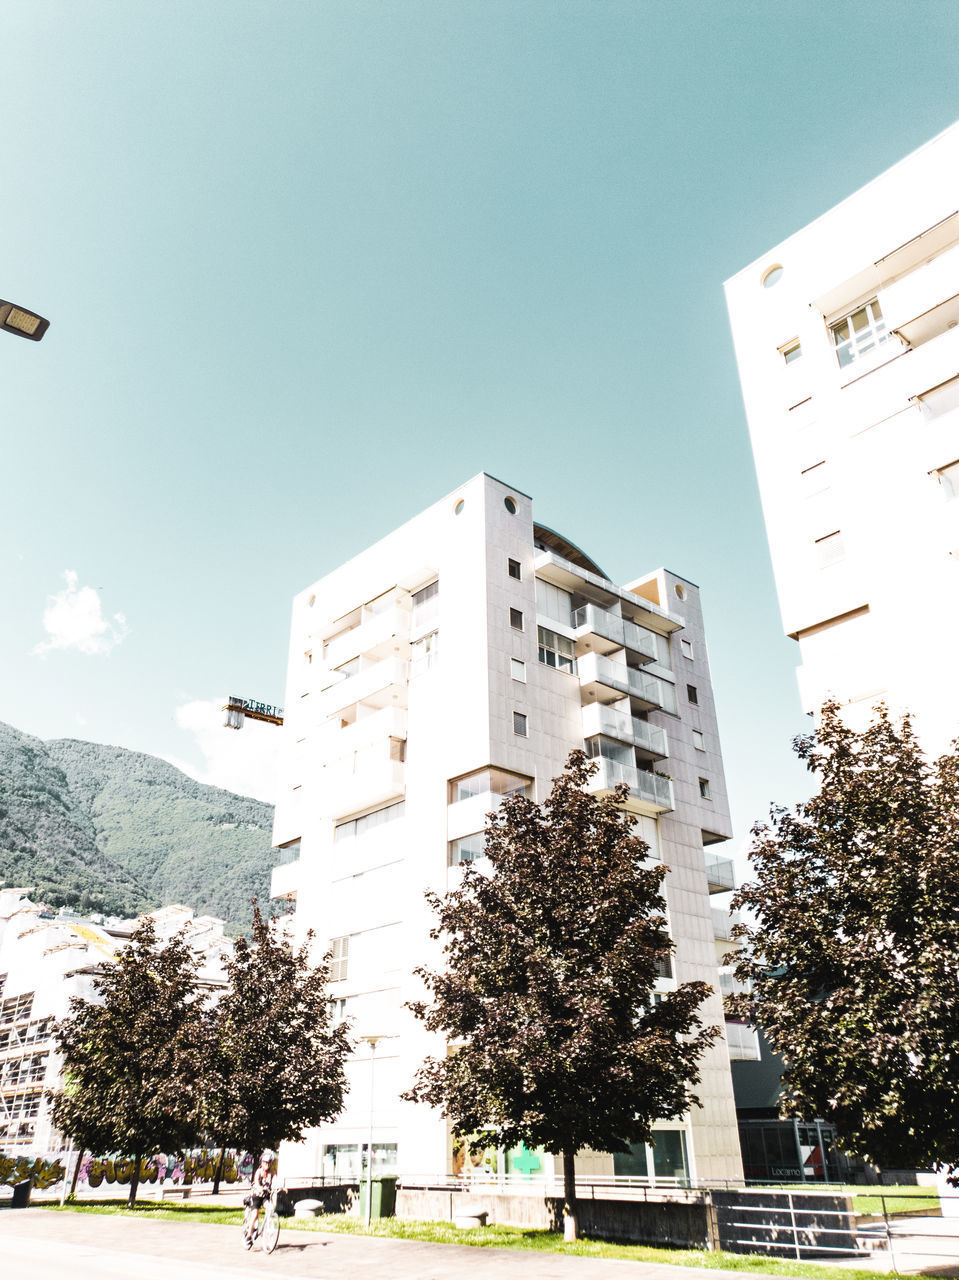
x,y
106,829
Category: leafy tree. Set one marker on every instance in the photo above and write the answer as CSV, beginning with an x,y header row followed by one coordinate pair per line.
x,y
546,996
854,953
132,1057
275,1054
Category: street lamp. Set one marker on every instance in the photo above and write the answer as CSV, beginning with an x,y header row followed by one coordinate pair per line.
x,y
24,323
372,1041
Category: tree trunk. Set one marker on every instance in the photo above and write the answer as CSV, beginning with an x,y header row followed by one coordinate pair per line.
x,y
76,1172
570,1211
219,1173
134,1180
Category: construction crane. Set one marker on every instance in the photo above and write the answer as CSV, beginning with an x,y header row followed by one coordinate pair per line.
x,y
240,709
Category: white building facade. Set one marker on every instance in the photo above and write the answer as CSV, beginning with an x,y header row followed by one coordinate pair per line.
x,y
458,659
848,349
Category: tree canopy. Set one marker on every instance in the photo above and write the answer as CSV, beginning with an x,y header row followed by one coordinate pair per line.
x,y
551,960
133,1058
853,956
276,1053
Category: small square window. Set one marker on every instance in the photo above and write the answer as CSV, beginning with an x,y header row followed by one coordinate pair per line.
x,y
519,724
830,548
791,351
699,742
517,669
516,619
515,571
704,788
686,646
692,694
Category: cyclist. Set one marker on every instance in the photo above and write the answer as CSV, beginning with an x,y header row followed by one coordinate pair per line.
x,y
261,1188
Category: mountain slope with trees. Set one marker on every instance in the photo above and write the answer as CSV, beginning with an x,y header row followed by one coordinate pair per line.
x,y
102,828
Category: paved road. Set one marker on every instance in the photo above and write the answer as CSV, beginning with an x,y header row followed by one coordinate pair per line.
x,y
44,1245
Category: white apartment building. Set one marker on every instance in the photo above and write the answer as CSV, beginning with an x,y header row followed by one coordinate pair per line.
x,y
848,349
45,961
455,661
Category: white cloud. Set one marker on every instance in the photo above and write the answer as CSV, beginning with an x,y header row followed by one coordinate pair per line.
x,y
73,619
240,760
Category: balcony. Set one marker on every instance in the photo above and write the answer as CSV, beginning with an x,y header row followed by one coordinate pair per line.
x,y
648,793
366,780
554,568
603,721
336,742
723,924
379,635
603,680
285,880
599,631
720,872
381,684
925,302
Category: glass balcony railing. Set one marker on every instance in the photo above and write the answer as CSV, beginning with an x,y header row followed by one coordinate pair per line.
x,y
603,721
649,788
720,872
651,691
590,619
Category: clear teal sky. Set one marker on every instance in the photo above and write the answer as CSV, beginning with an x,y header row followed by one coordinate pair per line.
x,y
311,265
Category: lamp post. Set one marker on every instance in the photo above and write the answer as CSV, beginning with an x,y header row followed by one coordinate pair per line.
x,y
372,1041
24,323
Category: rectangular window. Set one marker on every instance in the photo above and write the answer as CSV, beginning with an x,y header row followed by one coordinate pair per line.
x,y
791,351
553,602
949,479
687,649
340,949
515,569
516,619
704,788
16,1009
424,653
743,1042
699,742
519,724
556,650
466,849
426,605
517,669
859,333
360,826
830,548
497,782
692,693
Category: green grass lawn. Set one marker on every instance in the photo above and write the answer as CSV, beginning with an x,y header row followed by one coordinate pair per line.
x,y
897,1199
488,1238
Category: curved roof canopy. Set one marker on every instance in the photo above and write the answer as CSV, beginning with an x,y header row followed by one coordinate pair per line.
x,y
550,540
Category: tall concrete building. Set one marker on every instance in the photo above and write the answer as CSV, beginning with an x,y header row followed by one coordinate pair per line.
x,y
848,349
456,661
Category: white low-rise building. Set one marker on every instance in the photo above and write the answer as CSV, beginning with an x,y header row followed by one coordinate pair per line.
x,y
458,659
46,959
847,339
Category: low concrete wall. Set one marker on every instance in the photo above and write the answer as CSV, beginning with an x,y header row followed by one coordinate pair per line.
x,y
658,1221
778,1222
335,1198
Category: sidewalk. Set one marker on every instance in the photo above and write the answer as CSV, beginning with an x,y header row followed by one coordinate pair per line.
x,y
88,1246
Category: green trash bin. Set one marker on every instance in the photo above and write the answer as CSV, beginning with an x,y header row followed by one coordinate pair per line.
x,y
384,1197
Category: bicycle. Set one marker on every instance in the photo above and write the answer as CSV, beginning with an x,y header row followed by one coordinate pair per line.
x,y
267,1231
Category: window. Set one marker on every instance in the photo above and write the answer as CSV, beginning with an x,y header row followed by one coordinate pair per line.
x,y
555,650
692,693
743,1042
772,275
338,1009
791,351
515,569
359,826
859,333
829,548
424,653
510,505
664,966
553,602
949,479
517,669
519,724
704,788
426,605
686,646
699,742
497,782
466,849
340,948
16,1009
308,657
516,619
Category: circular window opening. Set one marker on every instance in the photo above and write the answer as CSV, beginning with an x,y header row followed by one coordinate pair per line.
x,y
312,601
510,505
772,275
459,506
680,590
